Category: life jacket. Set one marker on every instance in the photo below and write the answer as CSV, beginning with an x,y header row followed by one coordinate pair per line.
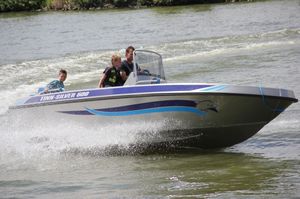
x,y
112,77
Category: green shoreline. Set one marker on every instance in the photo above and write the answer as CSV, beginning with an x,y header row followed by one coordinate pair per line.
x,y
47,5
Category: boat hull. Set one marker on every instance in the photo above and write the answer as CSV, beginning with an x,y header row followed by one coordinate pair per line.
x,y
197,117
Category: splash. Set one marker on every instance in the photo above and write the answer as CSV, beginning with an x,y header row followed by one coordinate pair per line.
x,y
52,138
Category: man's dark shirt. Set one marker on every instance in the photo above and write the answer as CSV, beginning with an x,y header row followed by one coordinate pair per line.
x,y
128,68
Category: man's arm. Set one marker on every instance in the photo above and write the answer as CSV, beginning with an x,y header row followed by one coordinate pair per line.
x,y
101,82
123,75
50,86
107,74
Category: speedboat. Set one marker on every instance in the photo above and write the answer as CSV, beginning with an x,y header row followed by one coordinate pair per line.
x,y
195,114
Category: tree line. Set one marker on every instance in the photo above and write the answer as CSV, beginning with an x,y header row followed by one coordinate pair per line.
x,y
33,5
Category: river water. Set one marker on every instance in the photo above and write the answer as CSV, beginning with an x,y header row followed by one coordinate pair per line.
x,y
242,43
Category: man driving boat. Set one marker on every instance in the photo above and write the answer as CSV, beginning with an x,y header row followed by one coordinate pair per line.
x,y
127,65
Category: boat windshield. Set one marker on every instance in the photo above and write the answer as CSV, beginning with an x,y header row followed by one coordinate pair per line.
x,y
148,67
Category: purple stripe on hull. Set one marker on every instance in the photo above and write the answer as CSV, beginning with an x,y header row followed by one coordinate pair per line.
x,y
170,103
111,91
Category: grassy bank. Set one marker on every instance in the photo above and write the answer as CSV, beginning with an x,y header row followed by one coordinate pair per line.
x,y
28,5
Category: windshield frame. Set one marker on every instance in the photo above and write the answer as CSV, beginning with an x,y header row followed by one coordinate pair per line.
x,y
156,78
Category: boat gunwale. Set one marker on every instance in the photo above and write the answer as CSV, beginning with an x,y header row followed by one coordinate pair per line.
x,y
148,94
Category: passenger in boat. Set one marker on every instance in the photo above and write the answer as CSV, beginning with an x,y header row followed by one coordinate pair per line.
x,y
56,85
112,76
127,65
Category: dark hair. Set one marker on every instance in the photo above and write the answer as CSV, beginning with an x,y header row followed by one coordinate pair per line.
x,y
129,48
63,71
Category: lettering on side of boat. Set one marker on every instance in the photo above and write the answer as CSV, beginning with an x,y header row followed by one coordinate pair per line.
x,y
64,96
83,94
47,98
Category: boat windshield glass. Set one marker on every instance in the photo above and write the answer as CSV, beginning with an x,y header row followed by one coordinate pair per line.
x,y
148,67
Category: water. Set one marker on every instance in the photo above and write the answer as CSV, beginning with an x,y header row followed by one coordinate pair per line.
x,y
244,44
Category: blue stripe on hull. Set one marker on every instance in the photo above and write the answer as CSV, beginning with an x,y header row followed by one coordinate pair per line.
x,y
148,111
147,105
144,108
213,88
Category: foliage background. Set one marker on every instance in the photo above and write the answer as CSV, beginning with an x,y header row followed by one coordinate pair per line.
x,y
28,5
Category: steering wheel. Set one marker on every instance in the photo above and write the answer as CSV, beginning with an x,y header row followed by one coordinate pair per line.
x,y
146,72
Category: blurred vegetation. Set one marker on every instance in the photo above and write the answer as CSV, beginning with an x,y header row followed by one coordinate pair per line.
x,y
27,5
19,5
